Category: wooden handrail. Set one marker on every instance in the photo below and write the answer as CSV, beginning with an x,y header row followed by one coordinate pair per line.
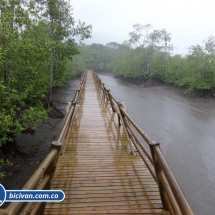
x,y
171,194
41,179
139,130
142,151
175,188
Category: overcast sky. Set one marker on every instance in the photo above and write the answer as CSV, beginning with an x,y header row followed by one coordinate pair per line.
x,y
189,21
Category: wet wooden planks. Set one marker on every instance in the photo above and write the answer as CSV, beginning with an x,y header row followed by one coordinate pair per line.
x,y
97,172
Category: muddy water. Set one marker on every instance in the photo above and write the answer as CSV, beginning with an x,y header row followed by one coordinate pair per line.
x,y
185,129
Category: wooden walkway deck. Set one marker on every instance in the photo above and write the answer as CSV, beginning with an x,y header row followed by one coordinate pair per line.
x,y
97,172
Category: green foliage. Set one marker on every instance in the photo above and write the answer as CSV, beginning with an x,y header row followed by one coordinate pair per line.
x,y
4,163
149,55
36,45
197,72
18,112
62,27
151,58
98,57
78,65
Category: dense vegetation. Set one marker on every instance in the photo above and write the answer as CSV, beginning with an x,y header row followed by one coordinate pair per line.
x,y
36,50
147,55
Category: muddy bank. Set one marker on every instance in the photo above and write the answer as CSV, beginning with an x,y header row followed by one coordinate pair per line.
x,y
38,145
203,103
143,81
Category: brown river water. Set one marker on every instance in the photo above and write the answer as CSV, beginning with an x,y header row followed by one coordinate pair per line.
x,y
185,128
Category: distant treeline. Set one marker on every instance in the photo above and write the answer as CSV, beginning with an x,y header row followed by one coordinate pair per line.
x,y
148,55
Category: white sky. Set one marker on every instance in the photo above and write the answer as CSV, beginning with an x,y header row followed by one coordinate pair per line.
x,y
189,21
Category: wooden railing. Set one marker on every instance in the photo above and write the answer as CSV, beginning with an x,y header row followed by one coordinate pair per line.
x,y
171,194
42,177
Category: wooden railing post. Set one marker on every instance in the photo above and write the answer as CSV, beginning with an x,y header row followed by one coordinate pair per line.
x,y
101,90
78,95
55,145
119,105
176,191
50,171
158,168
102,86
111,102
45,184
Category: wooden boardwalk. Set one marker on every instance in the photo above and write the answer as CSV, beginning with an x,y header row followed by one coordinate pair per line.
x,y
97,172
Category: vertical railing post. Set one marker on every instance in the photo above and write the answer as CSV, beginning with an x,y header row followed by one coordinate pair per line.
x,y
119,104
158,168
122,104
110,99
118,117
78,91
50,171
102,86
